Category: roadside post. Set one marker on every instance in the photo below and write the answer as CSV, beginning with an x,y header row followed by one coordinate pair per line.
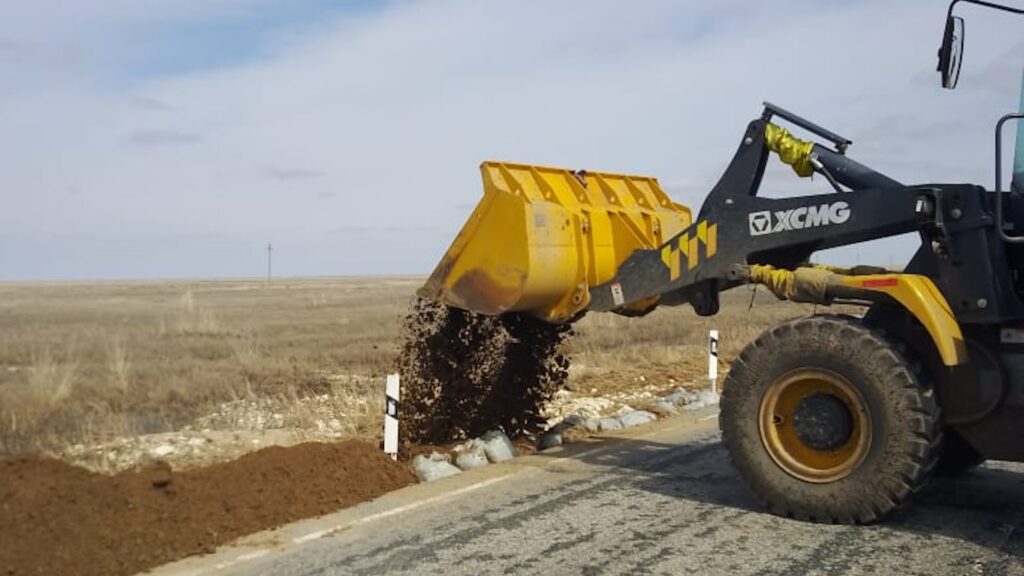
x,y
391,395
713,360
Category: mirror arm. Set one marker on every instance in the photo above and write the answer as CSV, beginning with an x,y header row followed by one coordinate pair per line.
x,y
949,13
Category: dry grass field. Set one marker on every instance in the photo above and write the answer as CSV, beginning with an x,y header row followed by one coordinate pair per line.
x,y
84,363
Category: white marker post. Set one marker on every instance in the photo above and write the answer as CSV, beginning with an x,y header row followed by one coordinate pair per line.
x,y
391,395
713,360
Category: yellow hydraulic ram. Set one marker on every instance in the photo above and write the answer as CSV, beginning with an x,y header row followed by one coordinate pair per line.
x,y
822,284
541,237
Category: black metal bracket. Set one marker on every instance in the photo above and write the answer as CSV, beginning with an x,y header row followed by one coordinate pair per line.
x,y
746,169
999,177
841,143
1010,9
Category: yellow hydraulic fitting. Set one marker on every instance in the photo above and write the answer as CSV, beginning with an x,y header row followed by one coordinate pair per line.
x,y
791,150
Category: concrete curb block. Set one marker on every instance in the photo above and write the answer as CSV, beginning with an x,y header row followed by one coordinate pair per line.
x,y
636,418
603,424
679,398
704,399
497,446
494,446
474,457
433,467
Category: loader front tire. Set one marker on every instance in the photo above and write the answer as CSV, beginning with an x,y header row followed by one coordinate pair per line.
x,y
826,420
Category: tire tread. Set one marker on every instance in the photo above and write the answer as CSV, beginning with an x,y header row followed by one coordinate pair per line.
x,y
906,385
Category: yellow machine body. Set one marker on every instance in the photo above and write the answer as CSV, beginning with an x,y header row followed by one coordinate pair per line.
x,y
541,237
922,298
917,294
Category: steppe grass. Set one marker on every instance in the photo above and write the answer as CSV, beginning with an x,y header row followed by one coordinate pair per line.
x,y
88,362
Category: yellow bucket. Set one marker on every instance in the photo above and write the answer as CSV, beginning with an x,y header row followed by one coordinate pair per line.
x,y
541,237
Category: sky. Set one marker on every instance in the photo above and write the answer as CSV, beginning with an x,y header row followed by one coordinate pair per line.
x,y
176,138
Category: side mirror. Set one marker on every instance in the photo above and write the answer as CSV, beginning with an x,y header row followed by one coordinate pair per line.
x,y
951,51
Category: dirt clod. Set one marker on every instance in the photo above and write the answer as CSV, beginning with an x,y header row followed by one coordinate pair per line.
x,y
61,519
465,373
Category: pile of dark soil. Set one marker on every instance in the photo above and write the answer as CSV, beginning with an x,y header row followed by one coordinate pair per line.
x,y
59,519
465,373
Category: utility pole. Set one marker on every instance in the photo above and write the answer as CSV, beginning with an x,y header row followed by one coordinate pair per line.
x,y
269,250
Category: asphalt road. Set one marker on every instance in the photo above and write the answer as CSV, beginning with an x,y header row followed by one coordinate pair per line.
x,y
663,500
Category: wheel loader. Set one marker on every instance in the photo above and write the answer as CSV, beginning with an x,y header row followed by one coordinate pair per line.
x,y
829,418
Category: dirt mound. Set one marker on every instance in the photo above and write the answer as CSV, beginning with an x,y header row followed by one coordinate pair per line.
x,y
60,519
465,373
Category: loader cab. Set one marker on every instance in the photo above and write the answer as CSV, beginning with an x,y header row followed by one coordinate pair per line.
x,y
951,52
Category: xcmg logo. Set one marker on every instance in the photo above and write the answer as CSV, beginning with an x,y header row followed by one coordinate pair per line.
x,y
768,222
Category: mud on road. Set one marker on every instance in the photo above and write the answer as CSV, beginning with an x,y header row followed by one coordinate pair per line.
x,y
61,519
464,374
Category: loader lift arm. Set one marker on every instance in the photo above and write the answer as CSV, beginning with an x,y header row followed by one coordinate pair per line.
x,y
737,232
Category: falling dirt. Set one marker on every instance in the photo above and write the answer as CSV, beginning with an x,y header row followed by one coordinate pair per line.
x,y
465,373
61,519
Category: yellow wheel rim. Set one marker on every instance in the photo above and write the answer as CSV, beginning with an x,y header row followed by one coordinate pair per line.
x,y
815,425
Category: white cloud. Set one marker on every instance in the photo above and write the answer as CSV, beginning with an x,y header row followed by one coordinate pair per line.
x,y
378,121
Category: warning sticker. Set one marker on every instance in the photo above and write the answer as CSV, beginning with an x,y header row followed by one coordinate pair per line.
x,y
1011,335
617,296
